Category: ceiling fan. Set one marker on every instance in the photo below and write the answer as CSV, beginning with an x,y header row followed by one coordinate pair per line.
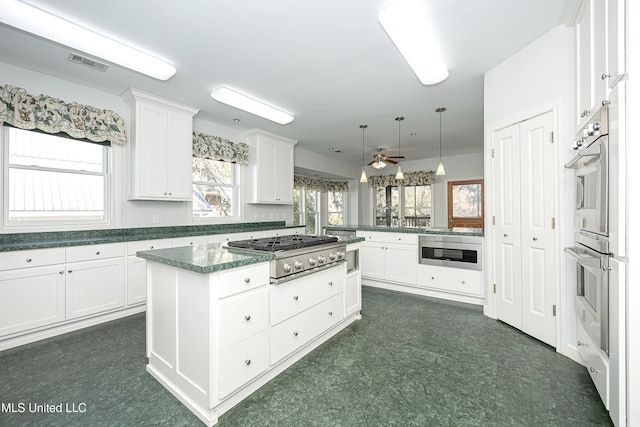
x,y
380,160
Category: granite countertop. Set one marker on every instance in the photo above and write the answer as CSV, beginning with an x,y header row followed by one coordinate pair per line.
x,y
205,259
443,231
54,239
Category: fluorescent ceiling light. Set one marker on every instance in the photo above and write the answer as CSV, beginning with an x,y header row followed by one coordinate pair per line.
x,y
243,102
407,24
43,24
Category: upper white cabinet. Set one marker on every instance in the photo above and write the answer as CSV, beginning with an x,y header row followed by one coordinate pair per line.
x,y
159,147
271,168
600,53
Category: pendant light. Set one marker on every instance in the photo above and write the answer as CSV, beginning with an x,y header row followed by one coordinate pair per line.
x,y
399,174
440,170
363,176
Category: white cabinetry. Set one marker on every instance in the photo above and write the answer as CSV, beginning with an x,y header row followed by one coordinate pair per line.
x,y
456,280
389,256
95,279
137,268
159,147
271,168
353,284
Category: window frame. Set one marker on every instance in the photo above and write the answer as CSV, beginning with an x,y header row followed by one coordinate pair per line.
x,y
401,203
236,202
56,224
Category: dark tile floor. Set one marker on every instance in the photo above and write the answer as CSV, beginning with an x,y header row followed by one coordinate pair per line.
x,y
411,361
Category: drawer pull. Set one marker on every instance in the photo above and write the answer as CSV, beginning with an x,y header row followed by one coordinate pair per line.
x,y
247,362
593,370
151,247
330,283
28,259
580,344
61,272
247,279
247,317
295,298
463,282
98,253
70,271
331,313
295,333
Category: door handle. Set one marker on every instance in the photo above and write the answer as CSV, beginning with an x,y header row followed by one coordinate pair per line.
x,y
506,235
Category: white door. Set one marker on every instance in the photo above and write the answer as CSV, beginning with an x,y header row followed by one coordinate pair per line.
x,y
523,234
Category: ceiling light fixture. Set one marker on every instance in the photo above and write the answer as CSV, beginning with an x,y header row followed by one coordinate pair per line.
x,y
399,174
250,105
43,24
363,176
440,170
406,23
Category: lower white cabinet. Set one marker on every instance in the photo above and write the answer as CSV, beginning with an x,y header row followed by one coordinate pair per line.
x,y
395,262
456,280
137,269
94,286
596,362
31,298
242,362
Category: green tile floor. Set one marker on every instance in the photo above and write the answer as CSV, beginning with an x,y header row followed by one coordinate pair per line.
x,y
410,361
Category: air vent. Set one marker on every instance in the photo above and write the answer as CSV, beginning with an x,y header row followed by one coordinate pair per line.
x,y
74,57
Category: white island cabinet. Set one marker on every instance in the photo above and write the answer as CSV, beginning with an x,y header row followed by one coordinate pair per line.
x,y
215,336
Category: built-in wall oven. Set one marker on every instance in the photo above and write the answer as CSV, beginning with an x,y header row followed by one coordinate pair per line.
x,y
591,247
451,251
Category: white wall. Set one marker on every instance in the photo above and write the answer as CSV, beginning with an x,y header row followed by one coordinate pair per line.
x,y
457,168
539,74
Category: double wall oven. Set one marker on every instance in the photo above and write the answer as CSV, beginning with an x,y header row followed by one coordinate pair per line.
x,y
591,247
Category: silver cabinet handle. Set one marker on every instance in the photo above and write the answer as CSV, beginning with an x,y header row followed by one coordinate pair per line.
x,y
151,247
61,271
247,317
593,370
535,238
29,260
605,76
98,253
69,271
295,298
330,283
463,282
295,333
247,279
247,362
506,235
331,313
580,344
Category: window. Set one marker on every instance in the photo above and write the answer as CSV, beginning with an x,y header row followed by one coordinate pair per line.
x,y
465,205
51,179
215,190
305,210
413,202
335,207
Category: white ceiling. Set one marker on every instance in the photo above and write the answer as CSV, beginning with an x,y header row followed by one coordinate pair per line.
x,y
328,62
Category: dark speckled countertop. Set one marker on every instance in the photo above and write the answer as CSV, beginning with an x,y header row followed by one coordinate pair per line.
x,y
204,259
445,231
24,241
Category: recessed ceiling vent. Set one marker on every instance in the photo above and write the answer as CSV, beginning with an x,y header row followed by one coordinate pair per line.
x,y
74,57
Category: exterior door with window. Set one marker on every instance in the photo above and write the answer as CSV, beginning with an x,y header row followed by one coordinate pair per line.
x,y
466,203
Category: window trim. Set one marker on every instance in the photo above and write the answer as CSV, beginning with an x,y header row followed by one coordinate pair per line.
x,y
55,225
401,201
237,200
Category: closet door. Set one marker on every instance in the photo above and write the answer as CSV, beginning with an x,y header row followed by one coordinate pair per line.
x,y
506,171
537,236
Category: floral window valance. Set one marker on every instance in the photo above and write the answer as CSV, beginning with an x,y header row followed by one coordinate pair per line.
x,y
51,115
324,186
216,148
410,178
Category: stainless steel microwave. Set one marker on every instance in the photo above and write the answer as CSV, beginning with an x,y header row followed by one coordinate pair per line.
x,y
451,251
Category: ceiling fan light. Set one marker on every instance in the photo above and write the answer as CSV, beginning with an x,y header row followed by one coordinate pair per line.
x,y
407,25
243,102
399,174
440,170
363,176
379,164
51,27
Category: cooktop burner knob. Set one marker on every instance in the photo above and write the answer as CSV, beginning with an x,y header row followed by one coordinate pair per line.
x,y
340,255
332,256
312,261
298,265
322,259
286,268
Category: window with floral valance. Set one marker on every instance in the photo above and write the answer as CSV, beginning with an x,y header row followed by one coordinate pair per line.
x,y
51,115
215,148
322,185
410,179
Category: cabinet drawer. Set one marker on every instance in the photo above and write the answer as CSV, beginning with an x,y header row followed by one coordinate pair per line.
x,y
292,334
385,237
31,258
189,241
595,363
243,279
290,298
243,315
451,280
242,362
232,237
146,245
93,252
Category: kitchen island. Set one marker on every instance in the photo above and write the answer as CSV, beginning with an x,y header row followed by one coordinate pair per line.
x,y
217,329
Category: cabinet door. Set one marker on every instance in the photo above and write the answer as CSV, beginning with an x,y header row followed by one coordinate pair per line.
x,y
402,263
583,36
372,260
94,286
30,298
267,173
283,174
615,40
136,280
178,148
242,362
352,294
152,151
